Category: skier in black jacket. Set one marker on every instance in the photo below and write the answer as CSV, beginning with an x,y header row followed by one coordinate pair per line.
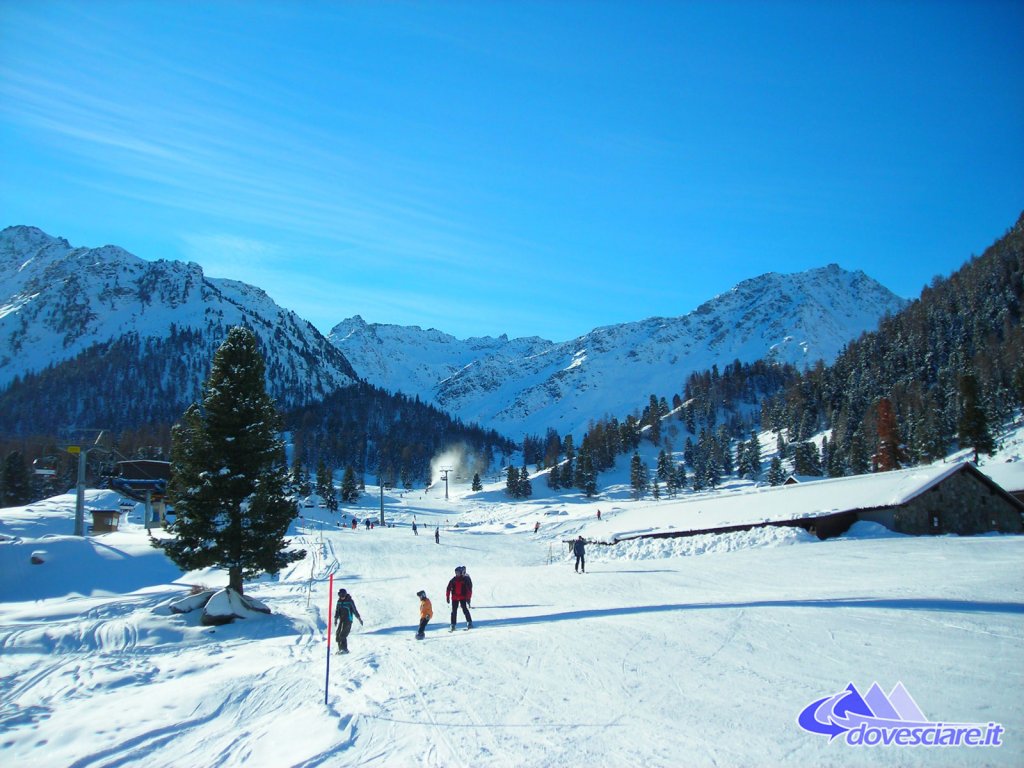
x,y
343,615
579,549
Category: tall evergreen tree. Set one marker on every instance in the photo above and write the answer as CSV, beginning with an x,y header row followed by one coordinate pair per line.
x,y
228,472
972,426
554,481
525,486
477,485
324,482
349,486
638,476
512,481
776,474
15,481
586,476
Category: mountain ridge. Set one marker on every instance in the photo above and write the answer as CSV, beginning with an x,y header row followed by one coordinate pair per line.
x,y
58,301
522,386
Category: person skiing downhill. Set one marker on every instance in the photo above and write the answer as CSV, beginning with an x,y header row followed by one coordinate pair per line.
x,y
426,613
343,618
460,592
579,549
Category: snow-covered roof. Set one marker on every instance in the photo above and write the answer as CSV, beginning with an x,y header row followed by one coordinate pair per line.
x,y
776,504
1008,475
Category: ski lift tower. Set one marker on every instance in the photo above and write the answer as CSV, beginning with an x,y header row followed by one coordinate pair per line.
x,y
82,451
445,470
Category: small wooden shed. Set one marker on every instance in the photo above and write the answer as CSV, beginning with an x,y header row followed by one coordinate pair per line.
x,y
105,520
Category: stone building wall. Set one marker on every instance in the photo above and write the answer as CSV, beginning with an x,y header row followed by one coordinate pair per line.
x,y
962,503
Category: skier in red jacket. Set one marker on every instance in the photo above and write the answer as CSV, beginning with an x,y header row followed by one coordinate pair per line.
x,y
460,592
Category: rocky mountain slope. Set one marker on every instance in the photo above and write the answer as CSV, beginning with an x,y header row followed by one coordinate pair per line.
x,y
59,303
523,386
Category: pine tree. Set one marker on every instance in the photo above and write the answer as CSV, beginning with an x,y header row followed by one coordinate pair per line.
x,y
329,494
858,461
349,487
972,426
512,481
679,476
525,486
228,473
324,482
477,485
15,481
586,476
638,476
567,479
554,480
776,474
806,460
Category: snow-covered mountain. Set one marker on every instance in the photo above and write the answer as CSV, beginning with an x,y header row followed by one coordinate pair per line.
x,y
523,386
58,302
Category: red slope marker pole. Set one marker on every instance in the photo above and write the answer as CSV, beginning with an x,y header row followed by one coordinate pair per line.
x,y
330,626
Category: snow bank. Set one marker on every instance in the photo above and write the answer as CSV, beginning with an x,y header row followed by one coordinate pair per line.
x,y
703,544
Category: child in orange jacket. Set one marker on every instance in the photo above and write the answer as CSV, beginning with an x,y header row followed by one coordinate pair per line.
x,y
426,612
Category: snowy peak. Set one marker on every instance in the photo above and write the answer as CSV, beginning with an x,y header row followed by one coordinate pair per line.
x,y
524,386
57,301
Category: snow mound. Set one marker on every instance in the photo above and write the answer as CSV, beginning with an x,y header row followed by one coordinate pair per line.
x,y
227,605
704,544
863,529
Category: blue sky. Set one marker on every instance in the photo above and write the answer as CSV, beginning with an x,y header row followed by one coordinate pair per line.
x,y
524,168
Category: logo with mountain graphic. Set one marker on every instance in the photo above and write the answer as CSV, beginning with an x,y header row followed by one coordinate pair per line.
x,y
876,719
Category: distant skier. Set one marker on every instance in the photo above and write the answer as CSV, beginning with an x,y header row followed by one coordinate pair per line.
x,y
579,549
599,515
426,613
536,526
343,615
460,592
437,534
414,530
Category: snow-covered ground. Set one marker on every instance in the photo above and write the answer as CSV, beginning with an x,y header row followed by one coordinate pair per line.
x,y
696,651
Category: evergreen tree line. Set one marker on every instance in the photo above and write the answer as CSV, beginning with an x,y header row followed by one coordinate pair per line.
x,y
936,376
391,436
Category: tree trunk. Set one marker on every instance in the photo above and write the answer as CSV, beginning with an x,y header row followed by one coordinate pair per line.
x,y
235,579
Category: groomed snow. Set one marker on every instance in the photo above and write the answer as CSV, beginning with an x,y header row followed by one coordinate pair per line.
x,y
695,651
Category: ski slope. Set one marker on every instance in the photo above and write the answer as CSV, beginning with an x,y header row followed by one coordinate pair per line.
x,y
698,652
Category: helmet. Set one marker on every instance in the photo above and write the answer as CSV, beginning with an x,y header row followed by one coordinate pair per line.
x,y
459,569
342,592
421,594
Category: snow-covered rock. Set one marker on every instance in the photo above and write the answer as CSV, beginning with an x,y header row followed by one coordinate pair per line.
x,y
227,605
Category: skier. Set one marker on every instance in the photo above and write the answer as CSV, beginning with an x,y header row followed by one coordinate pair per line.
x,y
426,613
415,532
579,549
536,526
460,592
437,534
343,618
599,515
